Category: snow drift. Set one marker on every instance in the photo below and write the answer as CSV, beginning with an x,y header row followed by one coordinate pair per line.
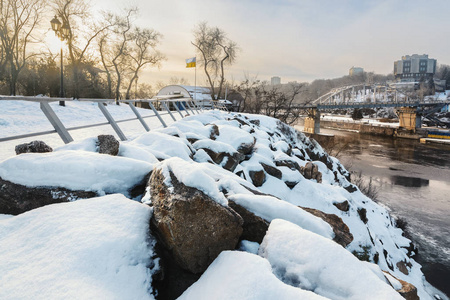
x,y
255,161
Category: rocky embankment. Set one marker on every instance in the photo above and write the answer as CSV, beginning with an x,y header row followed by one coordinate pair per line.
x,y
240,205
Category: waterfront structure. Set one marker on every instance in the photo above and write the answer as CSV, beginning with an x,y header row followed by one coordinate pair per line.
x,y
355,71
414,68
275,80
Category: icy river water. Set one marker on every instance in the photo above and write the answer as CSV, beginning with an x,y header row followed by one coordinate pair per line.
x,y
413,181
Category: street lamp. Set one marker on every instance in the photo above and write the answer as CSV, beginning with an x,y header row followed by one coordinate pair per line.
x,y
63,33
136,88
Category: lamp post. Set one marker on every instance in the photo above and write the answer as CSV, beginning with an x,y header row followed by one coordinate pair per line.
x,y
136,88
63,33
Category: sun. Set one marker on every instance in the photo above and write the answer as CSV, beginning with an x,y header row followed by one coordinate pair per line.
x,y
52,42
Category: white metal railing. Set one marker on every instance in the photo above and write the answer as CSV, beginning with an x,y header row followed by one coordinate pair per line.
x,y
162,102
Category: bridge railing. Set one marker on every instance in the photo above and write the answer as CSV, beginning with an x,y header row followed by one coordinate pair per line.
x,y
363,93
159,105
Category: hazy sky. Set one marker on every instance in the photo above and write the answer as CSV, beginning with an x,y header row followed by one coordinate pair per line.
x,y
298,40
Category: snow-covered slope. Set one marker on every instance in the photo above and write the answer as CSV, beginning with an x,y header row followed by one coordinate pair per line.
x,y
219,154
89,249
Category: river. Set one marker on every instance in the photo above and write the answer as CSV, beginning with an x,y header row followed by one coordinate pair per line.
x,y
413,181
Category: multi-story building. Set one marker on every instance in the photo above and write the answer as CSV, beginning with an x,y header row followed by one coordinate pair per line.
x,y
413,68
275,80
355,71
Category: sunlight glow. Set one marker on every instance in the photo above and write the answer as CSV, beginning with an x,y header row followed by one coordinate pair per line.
x,y
53,42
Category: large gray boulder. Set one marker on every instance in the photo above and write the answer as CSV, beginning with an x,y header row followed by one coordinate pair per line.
x,y
258,177
255,227
107,144
191,225
16,199
311,171
342,234
33,147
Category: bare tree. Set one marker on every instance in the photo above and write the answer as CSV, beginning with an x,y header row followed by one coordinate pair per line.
x,y
82,33
18,21
274,101
142,53
145,91
125,50
216,51
123,30
105,52
245,88
178,81
279,103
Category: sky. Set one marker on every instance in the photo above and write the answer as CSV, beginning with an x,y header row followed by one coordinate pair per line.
x,y
297,40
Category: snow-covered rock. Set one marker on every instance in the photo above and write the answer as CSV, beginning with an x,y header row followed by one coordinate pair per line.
x,y
192,226
218,155
242,276
16,198
89,249
306,260
75,170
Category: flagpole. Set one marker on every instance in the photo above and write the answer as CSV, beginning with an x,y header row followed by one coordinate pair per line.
x,y
195,83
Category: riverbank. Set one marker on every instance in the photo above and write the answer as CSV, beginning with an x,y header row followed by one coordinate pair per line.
x,y
413,181
430,135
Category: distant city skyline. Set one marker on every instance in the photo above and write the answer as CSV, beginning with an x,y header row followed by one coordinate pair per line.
x,y
297,40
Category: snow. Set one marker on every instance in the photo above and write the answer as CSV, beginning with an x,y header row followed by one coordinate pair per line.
x,y
75,170
162,145
248,246
242,276
192,175
24,117
270,208
88,249
78,166
308,261
234,136
214,146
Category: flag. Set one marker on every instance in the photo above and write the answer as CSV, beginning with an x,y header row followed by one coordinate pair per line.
x,y
190,62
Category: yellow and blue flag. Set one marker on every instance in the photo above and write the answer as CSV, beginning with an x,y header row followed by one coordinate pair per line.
x,y
190,62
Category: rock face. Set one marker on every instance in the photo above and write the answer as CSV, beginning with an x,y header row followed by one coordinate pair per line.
x,y
246,149
107,144
33,147
403,267
16,199
272,171
171,280
342,233
255,227
288,163
408,291
192,226
228,161
311,171
343,206
257,177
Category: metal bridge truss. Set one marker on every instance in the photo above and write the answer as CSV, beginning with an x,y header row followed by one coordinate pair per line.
x,y
162,102
365,96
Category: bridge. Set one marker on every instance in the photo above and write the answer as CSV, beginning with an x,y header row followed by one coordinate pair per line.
x,y
410,108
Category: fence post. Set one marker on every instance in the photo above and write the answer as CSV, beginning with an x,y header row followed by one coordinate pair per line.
x,y
178,110
194,104
187,103
56,122
168,110
111,121
138,115
157,114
